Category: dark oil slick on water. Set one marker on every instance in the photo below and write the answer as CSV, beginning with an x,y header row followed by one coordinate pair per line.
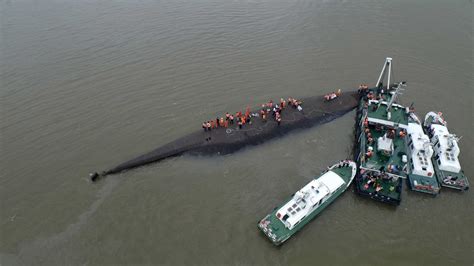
x,y
87,84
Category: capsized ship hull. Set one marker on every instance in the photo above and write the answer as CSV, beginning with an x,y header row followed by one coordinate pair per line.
x,y
316,111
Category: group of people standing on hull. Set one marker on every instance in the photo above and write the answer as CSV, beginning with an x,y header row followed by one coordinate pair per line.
x,y
246,118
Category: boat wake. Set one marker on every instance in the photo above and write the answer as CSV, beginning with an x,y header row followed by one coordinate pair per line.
x,y
40,249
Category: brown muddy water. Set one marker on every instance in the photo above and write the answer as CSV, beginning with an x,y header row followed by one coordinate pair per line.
x,y
88,84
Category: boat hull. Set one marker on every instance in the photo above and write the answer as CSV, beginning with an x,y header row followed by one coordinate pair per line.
x,y
219,141
279,238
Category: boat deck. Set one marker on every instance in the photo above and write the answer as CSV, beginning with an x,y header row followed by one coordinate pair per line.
x,y
378,160
451,180
426,184
398,115
391,189
380,175
344,172
276,231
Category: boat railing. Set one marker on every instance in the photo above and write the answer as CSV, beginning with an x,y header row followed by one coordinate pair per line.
x,y
386,173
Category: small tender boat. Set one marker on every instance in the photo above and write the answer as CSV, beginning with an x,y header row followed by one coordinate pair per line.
x,y
306,203
446,152
421,175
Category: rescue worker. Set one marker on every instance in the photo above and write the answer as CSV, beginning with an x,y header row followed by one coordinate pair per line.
x,y
282,103
208,124
369,154
402,134
278,118
204,126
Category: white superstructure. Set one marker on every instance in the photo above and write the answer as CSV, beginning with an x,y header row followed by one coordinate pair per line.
x,y
445,145
310,197
446,148
420,149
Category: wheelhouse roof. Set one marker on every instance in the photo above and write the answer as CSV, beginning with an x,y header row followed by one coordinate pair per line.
x,y
305,199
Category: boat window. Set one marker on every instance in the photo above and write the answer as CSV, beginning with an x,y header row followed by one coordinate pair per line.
x,y
298,209
320,201
294,205
293,213
289,209
424,168
438,161
285,217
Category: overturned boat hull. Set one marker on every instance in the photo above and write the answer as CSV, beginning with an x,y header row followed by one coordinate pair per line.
x,y
222,140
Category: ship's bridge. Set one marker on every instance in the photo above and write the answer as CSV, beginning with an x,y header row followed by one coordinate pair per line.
x,y
307,199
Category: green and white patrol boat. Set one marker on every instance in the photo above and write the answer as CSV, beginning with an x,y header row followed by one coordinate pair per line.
x,y
306,203
446,151
380,150
421,175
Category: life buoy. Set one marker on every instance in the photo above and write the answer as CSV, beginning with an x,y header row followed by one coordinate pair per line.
x,y
430,173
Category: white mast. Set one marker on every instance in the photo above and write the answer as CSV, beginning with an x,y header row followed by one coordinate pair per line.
x,y
397,92
388,62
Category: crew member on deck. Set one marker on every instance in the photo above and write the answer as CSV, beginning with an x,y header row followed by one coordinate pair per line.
x,y
402,133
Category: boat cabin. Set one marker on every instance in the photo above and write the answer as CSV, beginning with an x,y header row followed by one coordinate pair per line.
x,y
446,148
309,198
385,145
420,150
